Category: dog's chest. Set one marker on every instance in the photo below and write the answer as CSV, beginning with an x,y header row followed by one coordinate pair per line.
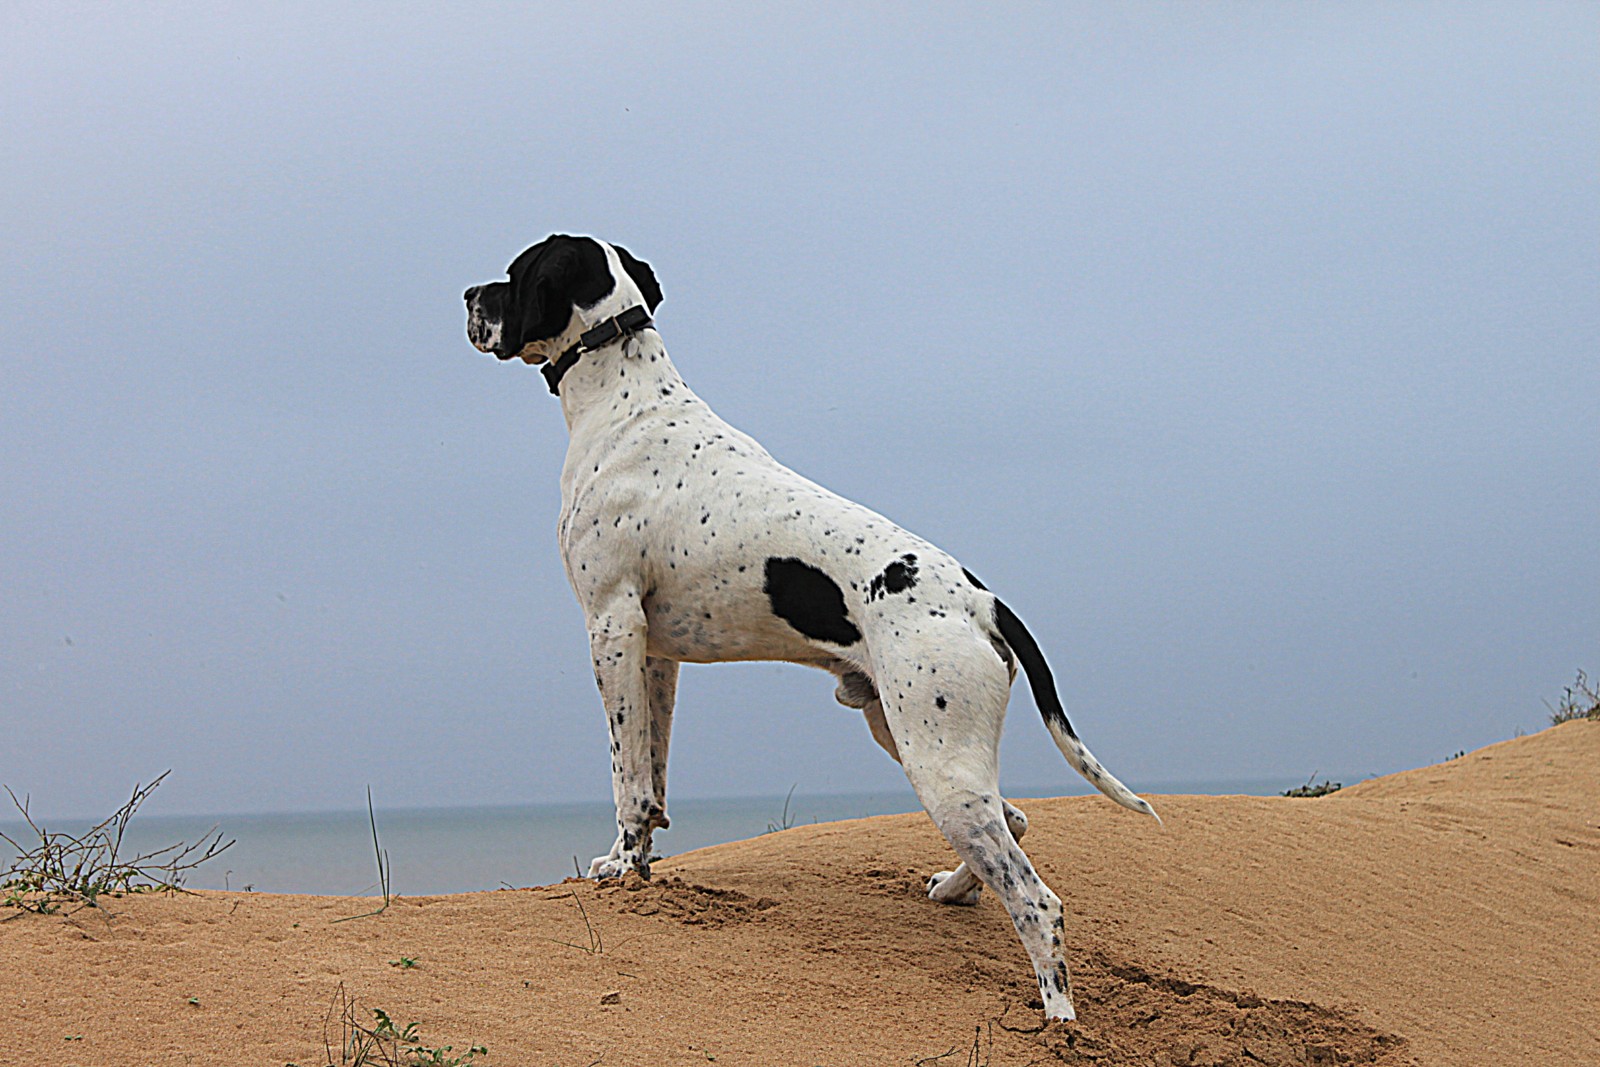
x,y
666,487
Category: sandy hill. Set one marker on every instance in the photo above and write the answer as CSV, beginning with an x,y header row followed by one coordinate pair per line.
x,y
1448,915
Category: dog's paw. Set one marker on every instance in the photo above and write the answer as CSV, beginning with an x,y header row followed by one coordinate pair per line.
x,y
1058,1007
608,867
945,888
617,866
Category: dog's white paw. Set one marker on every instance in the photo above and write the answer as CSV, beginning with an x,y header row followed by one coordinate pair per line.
x,y
945,888
1059,1006
1055,990
607,867
617,866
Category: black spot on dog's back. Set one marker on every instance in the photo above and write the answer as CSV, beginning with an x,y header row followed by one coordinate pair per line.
x,y
973,578
810,601
897,577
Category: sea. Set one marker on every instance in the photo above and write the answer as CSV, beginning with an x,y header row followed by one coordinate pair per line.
x,y
430,851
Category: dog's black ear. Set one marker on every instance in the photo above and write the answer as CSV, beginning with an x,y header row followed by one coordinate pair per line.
x,y
642,276
547,281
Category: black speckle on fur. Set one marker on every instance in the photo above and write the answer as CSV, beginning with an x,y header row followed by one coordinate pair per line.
x,y
897,577
810,601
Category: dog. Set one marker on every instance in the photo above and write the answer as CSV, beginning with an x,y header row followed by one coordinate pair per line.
x,y
686,542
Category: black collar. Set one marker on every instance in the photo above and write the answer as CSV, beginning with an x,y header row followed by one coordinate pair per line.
x,y
617,326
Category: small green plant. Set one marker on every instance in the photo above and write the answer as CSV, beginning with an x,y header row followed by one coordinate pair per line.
x,y
80,869
1314,788
405,963
382,1043
384,1027
1580,700
440,1057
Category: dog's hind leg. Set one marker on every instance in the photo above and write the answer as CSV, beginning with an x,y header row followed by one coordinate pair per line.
x,y
961,886
947,734
663,682
971,816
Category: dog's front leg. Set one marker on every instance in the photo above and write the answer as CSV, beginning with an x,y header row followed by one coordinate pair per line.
x,y
617,646
663,674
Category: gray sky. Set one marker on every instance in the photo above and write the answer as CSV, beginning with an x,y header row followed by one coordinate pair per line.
x,y
1248,351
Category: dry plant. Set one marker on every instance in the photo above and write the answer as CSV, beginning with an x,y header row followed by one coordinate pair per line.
x,y
978,1055
1313,788
1580,700
79,869
596,946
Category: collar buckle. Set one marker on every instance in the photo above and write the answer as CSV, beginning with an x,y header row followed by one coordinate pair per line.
x,y
617,326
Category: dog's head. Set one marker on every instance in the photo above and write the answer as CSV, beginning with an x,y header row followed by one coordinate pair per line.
x,y
557,289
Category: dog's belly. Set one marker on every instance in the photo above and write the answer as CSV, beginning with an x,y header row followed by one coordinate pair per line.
x,y
724,624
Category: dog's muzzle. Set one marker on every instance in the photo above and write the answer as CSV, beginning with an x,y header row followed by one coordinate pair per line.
x,y
483,334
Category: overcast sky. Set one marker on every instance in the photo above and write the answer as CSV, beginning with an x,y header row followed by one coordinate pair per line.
x,y
1250,352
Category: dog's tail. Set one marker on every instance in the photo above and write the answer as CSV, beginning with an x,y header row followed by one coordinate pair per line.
x,y
1043,685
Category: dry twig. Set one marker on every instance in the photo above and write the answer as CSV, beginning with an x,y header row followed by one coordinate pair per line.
x,y
81,868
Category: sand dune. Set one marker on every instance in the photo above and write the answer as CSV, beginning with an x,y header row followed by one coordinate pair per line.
x,y
1448,915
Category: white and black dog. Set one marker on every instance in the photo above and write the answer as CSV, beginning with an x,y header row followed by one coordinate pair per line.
x,y
687,543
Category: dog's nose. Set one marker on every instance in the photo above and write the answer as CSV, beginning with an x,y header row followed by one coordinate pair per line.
x,y
472,292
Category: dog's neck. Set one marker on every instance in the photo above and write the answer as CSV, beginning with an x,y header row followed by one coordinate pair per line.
x,y
620,380
616,328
